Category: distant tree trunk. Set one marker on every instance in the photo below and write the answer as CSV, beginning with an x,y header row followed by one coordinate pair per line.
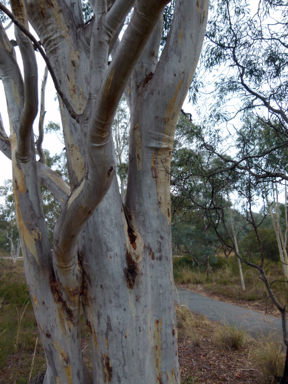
x,y
237,252
14,255
279,235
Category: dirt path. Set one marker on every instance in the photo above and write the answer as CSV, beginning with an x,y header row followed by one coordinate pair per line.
x,y
253,322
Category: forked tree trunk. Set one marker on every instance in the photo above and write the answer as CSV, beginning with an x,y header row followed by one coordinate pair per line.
x,y
115,258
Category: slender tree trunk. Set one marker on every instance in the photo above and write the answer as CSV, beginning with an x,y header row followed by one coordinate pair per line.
x,y
237,251
277,229
284,379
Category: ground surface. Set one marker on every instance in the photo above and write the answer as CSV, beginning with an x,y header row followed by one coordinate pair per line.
x,y
200,362
207,364
251,321
264,307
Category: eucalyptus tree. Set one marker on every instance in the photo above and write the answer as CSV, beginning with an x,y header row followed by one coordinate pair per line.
x,y
9,237
196,193
246,41
115,259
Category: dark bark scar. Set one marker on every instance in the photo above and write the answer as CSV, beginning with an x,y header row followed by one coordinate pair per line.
x,y
58,297
131,271
107,367
147,79
131,234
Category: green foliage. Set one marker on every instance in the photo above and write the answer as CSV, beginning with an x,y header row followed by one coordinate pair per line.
x,y
9,236
51,207
192,239
224,280
120,130
52,127
199,197
190,380
269,244
87,11
15,293
3,17
250,50
167,20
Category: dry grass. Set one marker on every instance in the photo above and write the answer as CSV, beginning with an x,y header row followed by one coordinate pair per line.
x,y
21,357
188,276
225,281
269,357
230,337
18,328
188,324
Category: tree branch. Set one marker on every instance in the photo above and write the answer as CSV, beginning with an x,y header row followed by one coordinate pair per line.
x,y
54,183
236,164
143,21
4,141
12,80
96,183
70,109
30,85
41,119
115,17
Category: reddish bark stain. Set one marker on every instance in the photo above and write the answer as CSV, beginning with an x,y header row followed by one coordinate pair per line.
x,y
58,297
147,79
159,379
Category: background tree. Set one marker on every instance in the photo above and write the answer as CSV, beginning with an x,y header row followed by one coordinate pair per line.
x,y
9,237
193,186
120,131
248,42
113,258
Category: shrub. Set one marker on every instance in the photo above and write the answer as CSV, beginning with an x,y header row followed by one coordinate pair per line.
x,y
268,240
269,357
229,337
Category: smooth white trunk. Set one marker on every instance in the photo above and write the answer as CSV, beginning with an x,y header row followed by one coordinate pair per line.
x,y
237,252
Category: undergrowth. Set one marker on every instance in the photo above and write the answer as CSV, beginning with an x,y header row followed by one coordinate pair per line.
x,y
21,352
224,279
18,329
269,357
229,337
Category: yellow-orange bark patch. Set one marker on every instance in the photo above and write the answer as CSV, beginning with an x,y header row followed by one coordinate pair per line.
x,y
158,348
109,83
107,368
137,138
64,362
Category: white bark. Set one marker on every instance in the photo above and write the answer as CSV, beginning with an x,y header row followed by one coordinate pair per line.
x,y
279,237
116,256
237,253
